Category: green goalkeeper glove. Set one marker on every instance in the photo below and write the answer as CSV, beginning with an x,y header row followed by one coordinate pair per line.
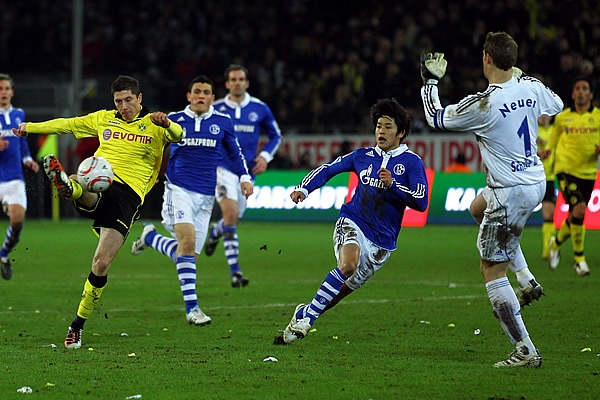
x,y
433,67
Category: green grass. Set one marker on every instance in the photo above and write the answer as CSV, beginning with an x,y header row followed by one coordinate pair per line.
x,y
407,334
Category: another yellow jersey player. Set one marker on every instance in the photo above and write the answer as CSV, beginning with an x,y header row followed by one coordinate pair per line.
x,y
575,140
132,139
549,200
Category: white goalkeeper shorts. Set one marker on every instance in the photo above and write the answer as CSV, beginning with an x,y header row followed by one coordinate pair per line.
x,y
371,259
13,192
504,218
180,206
228,187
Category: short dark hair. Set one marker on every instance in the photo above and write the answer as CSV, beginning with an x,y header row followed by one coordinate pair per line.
x,y
124,82
201,79
391,108
585,79
235,67
502,48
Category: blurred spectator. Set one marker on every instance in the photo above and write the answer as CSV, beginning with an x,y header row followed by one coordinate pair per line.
x,y
308,62
459,165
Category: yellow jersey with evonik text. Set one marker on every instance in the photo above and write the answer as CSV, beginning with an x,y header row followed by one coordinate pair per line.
x,y
133,148
574,139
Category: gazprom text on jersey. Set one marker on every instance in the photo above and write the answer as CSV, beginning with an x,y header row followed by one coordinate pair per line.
x,y
508,108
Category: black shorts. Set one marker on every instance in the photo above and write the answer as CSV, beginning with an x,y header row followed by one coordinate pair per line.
x,y
575,190
550,194
117,208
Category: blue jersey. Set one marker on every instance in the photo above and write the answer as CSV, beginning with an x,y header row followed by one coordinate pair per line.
x,y
17,152
250,118
192,162
377,211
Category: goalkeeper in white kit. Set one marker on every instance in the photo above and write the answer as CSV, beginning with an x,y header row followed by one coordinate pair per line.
x,y
504,119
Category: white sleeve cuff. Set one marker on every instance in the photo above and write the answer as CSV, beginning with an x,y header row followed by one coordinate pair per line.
x,y
245,178
266,156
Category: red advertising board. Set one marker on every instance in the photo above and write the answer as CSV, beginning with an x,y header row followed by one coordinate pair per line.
x,y
592,214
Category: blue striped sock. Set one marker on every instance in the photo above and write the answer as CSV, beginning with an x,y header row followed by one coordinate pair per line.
x,y
231,245
162,244
186,271
10,241
331,286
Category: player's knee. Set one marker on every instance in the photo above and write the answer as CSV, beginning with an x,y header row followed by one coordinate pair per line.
x,y
347,268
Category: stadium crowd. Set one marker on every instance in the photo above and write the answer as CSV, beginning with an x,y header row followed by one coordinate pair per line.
x,y
318,65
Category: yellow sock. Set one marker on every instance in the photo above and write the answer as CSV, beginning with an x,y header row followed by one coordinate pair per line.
x,y
578,236
547,232
564,233
89,299
77,190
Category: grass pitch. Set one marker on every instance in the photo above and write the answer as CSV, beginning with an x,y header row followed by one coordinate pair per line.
x,y
409,333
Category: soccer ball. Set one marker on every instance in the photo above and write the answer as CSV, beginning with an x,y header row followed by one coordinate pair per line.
x,y
95,174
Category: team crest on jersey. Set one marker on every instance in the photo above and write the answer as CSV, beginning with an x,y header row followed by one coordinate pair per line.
x,y
142,127
399,169
214,129
253,116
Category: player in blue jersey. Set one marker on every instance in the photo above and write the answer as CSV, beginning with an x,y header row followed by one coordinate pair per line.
x,y
14,154
504,118
391,178
190,188
250,117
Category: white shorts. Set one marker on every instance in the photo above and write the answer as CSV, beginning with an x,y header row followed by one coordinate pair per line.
x,y
371,259
181,206
504,218
228,187
13,192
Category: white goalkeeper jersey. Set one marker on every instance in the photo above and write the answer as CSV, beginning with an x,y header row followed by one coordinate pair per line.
x,y
504,119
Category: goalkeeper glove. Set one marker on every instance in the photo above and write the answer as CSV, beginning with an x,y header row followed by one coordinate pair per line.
x,y
517,72
433,67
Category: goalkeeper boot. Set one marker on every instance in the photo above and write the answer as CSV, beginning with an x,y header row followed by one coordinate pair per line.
x,y
197,317
297,328
140,243
6,268
238,280
521,357
213,240
533,291
56,173
73,339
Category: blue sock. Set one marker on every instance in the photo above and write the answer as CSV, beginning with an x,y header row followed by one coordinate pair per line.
x,y
162,244
186,271
10,241
331,286
232,250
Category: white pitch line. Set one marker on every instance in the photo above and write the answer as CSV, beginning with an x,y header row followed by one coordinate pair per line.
x,y
261,306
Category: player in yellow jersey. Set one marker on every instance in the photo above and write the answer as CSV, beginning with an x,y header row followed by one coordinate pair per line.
x,y
132,139
575,140
549,200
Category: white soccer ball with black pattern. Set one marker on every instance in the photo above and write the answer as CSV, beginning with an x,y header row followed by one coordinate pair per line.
x,y
95,174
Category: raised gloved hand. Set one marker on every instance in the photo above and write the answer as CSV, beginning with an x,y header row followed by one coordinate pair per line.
x,y
433,67
517,72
